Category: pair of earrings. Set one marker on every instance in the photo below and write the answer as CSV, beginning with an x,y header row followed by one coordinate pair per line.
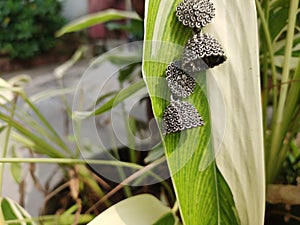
x,y
200,53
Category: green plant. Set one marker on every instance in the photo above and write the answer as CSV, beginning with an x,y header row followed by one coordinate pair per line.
x,y
280,71
27,27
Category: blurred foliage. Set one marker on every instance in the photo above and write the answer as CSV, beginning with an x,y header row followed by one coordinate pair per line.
x,y
134,27
28,26
280,74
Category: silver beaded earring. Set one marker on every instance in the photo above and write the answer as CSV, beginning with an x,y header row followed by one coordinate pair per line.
x,y
195,13
181,83
202,52
180,116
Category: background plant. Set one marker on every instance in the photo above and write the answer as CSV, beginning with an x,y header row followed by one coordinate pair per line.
x,y
27,27
280,71
280,75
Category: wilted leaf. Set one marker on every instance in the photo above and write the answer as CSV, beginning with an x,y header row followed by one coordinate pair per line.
x,y
6,94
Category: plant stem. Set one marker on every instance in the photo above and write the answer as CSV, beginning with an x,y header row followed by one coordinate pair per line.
x,y
52,219
293,130
265,71
278,132
130,136
287,58
269,47
61,143
39,143
175,207
266,90
69,161
292,99
6,140
127,181
120,170
266,6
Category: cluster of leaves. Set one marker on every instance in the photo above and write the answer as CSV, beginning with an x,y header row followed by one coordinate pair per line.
x,y
27,27
280,73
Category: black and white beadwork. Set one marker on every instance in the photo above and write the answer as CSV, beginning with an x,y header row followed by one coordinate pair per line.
x,y
195,13
202,52
180,83
180,116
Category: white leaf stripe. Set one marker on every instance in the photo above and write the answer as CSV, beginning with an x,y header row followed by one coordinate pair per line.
x,y
16,209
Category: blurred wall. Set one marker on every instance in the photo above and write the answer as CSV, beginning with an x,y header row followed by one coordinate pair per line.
x,y
100,31
73,9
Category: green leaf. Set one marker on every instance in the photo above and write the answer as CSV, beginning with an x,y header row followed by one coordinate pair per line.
x,y
127,72
103,97
54,135
154,154
234,188
167,219
115,100
135,27
96,18
278,20
16,168
12,211
121,96
2,128
117,59
37,143
138,210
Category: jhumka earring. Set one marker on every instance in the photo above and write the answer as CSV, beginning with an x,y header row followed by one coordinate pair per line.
x,y
200,53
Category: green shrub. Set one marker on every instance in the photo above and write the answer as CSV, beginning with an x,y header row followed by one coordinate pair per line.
x,y
27,26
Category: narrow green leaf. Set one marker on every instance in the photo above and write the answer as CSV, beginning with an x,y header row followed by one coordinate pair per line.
x,y
126,72
121,96
117,59
2,128
16,171
50,94
138,210
61,70
228,98
154,154
40,144
103,97
114,101
55,135
96,18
